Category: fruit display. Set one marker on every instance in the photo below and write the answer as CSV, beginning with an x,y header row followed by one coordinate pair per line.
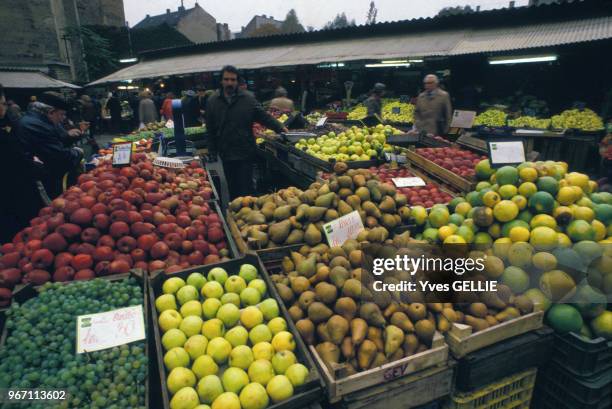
x,y
584,120
459,161
39,350
354,144
491,117
190,133
405,115
520,102
260,131
314,117
291,216
529,122
225,343
115,219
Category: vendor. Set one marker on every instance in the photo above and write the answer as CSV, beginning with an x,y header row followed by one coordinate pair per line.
x,y
42,135
281,102
230,114
373,103
433,111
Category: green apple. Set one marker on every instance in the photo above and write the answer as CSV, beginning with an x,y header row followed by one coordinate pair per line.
x,y
180,378
261,333
231,298
248,272
212,289
263,350
235,284
277,325
192,307
176,357
213,328
204,366
283,360
169,319
187,293
209,388
254,396
172,285
201,407
250,296
219,350
173,338
269,308
227,400
259,285
237,336
234,379
210,307
185,398
197,280
241,357
297,374
217,274
283,341
279,388
251,317
261,371
229,314
191,325
196,346
165,302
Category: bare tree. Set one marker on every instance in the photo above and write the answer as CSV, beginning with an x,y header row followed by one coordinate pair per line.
x,y
340,21
372,13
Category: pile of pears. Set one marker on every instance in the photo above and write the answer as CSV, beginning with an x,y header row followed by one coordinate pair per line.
x,y
291,216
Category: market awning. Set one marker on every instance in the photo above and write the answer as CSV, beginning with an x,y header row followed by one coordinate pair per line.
x,y
421,44
30,79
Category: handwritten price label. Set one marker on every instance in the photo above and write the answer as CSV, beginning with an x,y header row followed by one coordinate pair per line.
x,y
96,332
408,182
122,154
342,229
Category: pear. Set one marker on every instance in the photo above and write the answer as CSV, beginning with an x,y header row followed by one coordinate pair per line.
x,y
344,208
323,333
387,205
297,258
307,267
363,193
258,238
347,349
299,284
352,288
410,344
300,212
359,330
371,313
345,182
308,196
394,337
376,336
425,331
359,180
401,320
346,307
492,300
287,265
279,232
338,275
315,213
295,312
326,293
255,217
337,327
306,329
367,352
325,200
319,312
354,201
306,298
312,236
371,209
285,293
328,352
379,360
331,214
295,237
268,210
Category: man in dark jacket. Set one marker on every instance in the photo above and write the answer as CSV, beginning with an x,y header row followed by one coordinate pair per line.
x,y
191,110
373,103
42,135
230,114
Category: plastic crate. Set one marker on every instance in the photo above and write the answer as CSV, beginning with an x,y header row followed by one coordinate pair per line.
x,y
532,349
560,389
513,392
581,356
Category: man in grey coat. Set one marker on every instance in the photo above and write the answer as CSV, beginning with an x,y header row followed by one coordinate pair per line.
x,y
146,109
433,111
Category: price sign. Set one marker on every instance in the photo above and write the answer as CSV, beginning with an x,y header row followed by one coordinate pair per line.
x,y
342,229
408,182
321,122
96,332
463,119
122,154
404,99
529,132
506,152
396,110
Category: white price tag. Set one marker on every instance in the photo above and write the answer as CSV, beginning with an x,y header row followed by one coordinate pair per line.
x,y
529,132
506,152
401,159
321,122
342,229
96,332
390,157
463,119
122,154
408,182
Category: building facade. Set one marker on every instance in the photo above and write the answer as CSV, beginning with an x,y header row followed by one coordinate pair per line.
x,y
256,23
101,13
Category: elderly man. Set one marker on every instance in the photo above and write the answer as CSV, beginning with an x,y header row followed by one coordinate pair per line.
x,y
374,103
281,102
433,111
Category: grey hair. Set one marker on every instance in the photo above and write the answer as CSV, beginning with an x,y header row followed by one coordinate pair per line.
x,y
280,92
435,78
41,108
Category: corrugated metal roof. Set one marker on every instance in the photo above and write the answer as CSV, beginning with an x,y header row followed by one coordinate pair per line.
x,y
413,44
29,79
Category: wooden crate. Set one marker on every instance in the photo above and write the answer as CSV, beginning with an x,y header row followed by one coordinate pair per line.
x,y
338,386
461,339
446,175
410,391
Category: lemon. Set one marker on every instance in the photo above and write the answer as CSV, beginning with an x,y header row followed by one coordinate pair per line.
x,y
519,234
463,208
584,213
520,201
544,238
446,231
600,230
544,261
564,240
501,247
543,220
505,211
528,174
494,230
454,239
527,189
566,195
490,199
508,191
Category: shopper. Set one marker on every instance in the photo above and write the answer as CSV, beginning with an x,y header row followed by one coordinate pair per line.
x,y
88,113
191,109
13,112
433,111
374,103
202,98
114,107
230,114
146,109
281,102
166,109
20,199
42,135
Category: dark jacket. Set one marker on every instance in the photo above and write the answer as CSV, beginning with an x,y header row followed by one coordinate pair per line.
x,y
373,105
191,111
43,139
230,125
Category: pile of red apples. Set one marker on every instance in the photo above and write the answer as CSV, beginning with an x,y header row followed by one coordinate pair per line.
x,y
458,161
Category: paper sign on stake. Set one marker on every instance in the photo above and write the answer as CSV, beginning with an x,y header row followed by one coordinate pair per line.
x,y
122,154
96,332
342,229
506,152
408,182
463,119
321,122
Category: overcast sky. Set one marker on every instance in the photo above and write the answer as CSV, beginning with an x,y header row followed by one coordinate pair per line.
x,y
314,13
